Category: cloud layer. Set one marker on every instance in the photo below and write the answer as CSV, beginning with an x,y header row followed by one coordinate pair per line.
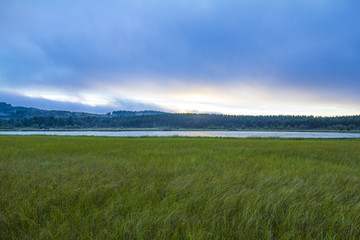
x,y
146,50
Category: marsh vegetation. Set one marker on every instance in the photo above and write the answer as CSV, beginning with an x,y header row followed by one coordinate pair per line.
x,y
178,188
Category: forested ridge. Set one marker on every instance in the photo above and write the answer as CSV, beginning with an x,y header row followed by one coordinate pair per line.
x,y
20,117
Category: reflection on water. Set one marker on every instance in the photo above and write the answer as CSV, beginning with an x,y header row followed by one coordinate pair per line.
x,y
233,134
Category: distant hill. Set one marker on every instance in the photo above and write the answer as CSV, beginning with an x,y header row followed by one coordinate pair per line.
x,y
7,111
136,113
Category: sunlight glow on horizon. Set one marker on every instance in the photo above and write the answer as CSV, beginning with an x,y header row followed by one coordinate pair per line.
x,y
241,101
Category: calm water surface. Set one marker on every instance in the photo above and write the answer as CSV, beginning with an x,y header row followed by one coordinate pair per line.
x,y
234,134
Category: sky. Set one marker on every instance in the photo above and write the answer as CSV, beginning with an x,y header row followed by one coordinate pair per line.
x,y
258,57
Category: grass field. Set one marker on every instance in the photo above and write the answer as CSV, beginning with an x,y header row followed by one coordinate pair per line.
x,y
178,188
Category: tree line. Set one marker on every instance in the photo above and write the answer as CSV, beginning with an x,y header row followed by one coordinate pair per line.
x,y
189,121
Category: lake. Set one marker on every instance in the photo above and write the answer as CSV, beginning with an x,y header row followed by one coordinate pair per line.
x,y
232,134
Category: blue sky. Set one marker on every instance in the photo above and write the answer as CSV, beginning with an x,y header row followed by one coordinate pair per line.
x,y
237,57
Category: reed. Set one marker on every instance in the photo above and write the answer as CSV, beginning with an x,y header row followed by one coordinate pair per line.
x,y
178,188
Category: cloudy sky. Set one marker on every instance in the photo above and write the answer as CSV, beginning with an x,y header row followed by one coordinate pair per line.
x,y
235,57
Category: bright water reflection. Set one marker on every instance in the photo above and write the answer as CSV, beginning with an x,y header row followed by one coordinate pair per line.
x,y
233,134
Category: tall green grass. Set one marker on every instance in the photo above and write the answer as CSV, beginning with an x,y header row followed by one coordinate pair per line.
x,y
178,188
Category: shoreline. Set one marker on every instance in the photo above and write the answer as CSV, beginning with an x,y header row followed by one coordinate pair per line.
x,y
170,130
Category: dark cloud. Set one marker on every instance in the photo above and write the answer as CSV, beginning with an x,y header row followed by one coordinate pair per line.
x,y
70,44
